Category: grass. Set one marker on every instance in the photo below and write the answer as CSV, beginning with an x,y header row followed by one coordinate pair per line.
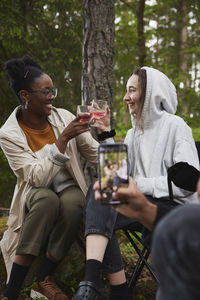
x,y
144,290
3,225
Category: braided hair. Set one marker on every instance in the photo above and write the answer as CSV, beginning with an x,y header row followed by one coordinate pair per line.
x,y
22,72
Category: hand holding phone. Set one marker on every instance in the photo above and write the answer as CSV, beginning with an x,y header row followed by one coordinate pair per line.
x,y
113,170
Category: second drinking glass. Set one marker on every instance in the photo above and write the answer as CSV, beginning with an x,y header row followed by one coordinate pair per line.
x,y
98,109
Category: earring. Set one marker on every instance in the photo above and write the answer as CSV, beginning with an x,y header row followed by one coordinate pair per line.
x,y
26,105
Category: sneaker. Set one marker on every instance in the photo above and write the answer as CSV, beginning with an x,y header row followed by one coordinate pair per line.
x,y
91,291
48,289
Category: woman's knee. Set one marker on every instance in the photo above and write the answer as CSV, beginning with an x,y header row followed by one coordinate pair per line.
x,y
43,199
72,202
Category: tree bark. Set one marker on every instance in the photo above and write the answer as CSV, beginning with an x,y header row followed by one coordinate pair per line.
x,y
98,51
141,34
184,38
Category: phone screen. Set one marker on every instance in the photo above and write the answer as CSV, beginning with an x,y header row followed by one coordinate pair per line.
x,y
113,170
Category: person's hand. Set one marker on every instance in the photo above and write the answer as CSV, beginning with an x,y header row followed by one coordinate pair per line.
x,y
96,188
133,200
136,205
76,127
73,129
103,124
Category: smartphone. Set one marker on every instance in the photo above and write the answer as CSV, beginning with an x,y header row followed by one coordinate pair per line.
x,y
112,170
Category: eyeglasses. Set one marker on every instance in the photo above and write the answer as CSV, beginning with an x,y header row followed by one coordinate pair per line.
x,y
47,92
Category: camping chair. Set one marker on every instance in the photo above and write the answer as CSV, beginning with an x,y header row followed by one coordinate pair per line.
x,y
134,233
183,176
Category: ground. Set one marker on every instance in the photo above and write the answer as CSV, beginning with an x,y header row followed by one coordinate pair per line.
x,y
68,274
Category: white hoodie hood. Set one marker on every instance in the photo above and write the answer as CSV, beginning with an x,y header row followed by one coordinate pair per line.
x,y
160,97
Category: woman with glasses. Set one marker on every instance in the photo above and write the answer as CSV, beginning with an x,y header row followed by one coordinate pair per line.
x,y
42,145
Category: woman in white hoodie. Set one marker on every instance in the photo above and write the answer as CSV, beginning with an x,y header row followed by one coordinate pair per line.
x,y
158,140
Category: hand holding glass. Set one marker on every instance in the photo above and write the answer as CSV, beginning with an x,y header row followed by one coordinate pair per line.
x,y
85,112
98,109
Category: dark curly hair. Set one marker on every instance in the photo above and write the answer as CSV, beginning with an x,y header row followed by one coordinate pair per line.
x,y
22,72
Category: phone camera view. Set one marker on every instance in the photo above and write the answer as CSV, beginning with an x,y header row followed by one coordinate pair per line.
x,y
113,170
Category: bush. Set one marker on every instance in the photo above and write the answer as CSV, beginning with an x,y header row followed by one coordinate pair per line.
x,y
196,134
7,181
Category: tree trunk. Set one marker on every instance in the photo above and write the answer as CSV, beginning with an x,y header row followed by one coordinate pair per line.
x,y
184,37
98,51
141,35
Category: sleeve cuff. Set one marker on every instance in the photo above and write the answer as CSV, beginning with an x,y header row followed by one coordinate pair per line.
x,y
109,141
57,157
106,134
145,185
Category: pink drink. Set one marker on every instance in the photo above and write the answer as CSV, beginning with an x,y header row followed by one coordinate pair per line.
x,y
98,114
86,118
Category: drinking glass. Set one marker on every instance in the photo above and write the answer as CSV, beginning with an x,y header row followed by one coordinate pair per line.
x,y
98,109
85,111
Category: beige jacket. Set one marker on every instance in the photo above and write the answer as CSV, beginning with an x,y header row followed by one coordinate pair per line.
x,y
32,172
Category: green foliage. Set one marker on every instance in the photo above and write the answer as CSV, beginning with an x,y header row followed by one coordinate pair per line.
x,y
129,256
7,181
196,134
72,285
189,106
27,290
172,45
51,33
3,226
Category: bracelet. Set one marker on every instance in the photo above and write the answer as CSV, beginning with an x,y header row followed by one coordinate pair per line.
x,y
106,134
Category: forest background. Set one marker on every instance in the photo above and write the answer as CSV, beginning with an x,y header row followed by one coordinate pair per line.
x,y
164,34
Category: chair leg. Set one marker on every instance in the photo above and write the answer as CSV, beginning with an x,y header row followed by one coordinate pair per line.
x,y
142,260
137,271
